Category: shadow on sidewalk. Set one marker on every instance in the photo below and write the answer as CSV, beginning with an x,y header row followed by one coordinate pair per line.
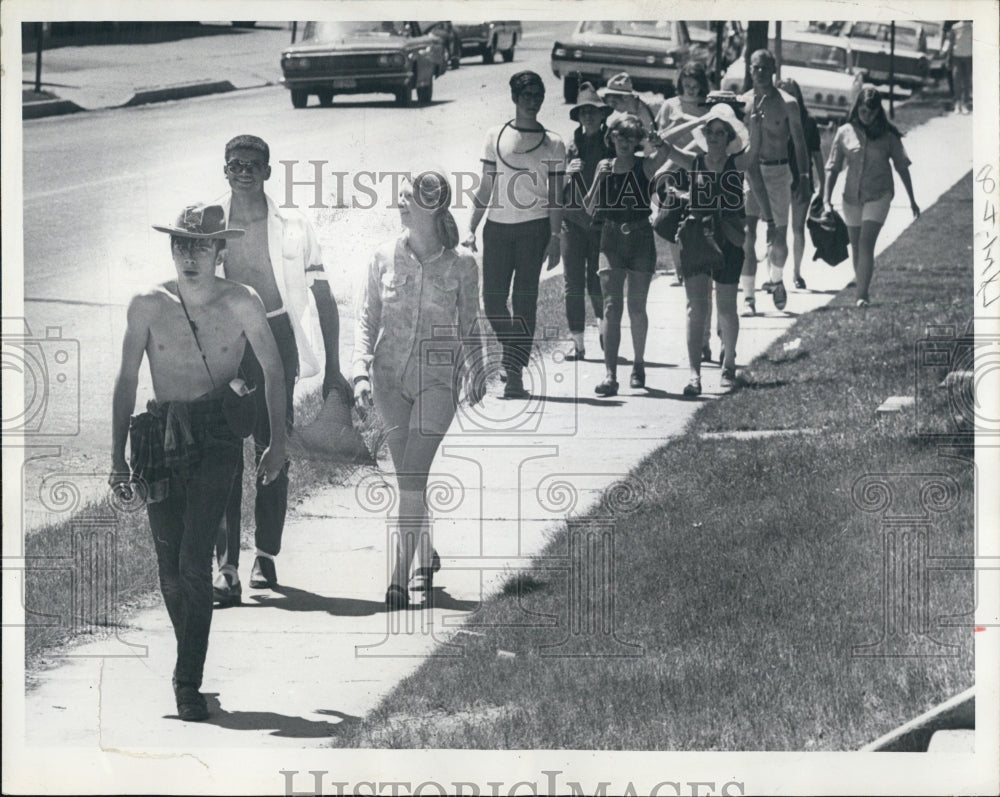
x,y
291,599
283,725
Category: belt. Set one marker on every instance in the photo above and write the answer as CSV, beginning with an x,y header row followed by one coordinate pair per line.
x,y
629,227
779,162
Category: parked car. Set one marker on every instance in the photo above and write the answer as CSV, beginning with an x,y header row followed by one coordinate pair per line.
x,y
361,58
934,39
489,38
651,52
445,31
870,46
703,44
820,64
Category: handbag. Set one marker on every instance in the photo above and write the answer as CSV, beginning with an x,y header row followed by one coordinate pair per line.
x,y
239,406
699,252
674,203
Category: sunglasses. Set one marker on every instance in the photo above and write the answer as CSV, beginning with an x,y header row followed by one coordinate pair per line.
x,y
237,166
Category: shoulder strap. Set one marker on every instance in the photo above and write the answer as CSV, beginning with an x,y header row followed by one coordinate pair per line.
x,y
194,331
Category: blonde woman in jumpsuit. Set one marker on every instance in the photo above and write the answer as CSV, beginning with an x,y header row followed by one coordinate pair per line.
x,y
418,301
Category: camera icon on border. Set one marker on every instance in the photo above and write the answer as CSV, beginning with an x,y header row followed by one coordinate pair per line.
x,y
957,382
50,369
551,380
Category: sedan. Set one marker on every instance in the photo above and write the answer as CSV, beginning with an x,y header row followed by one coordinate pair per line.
x,y
870,43
820,64
361,58
651,52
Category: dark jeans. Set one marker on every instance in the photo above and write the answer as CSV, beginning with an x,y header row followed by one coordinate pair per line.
x,y
184,525
271,500
513,252
581,251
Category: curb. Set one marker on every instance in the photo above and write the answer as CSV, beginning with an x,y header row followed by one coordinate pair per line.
x,y
43,108
180,91
958,713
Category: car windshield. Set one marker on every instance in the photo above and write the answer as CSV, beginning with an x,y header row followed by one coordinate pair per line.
x,y
335,31
817,56
645,28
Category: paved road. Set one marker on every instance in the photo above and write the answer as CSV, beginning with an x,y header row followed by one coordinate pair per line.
x,y
94,182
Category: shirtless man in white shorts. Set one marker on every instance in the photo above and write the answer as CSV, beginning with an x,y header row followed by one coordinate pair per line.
x,y
777,116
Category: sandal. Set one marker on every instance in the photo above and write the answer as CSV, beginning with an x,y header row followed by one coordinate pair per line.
x,y
693,387
638,378
609,387
396,597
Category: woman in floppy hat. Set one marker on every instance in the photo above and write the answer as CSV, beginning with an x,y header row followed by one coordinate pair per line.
x,y
414,285
581,234
620,197
619,94
717,193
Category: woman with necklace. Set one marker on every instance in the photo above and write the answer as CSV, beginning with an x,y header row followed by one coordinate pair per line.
x,y
416,288
521,194
628,252
717,194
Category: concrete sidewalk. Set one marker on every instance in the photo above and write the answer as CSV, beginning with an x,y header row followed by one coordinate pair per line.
x,y
94,77
291,668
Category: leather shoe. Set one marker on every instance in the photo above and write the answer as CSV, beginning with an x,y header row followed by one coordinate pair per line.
x,y
396,597
191,704
263,575
514,389
609,387
227,590
638,378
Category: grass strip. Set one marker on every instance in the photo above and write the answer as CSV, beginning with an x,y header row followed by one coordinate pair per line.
x,y
750,573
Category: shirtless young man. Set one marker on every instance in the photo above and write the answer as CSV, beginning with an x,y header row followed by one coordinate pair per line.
x,y
193,331
280,258
776,115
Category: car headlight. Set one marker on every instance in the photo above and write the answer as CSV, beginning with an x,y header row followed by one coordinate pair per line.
x,y
559,52
830,99
842,101
668,60
651,59
578,53
819,96
297,63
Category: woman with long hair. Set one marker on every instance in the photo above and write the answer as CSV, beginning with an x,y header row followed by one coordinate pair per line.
x,y
800,207
415,287
628,251
865,145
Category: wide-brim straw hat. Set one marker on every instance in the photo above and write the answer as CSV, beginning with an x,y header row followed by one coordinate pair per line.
x,y
200,221
619,84
723,113
587,97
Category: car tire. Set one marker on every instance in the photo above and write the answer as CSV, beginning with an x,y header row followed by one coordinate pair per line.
x,y
490,52
325,98
425,93
571,88
455,56
508,55
300,98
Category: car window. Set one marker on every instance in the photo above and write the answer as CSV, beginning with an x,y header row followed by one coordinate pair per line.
x,y
817,56
645,28
335,31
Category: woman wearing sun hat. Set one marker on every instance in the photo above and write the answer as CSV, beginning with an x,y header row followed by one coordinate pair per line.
x,y
717,194
619,94
581,234
620,197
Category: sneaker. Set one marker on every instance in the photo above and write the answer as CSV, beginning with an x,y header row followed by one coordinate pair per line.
x,y
862,303
800,284
227,590
514,389
609,387
780,295
728,380
264,575
638,378
693,387
749,307
191,704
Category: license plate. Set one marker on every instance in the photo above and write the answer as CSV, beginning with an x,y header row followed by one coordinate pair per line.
x,y
345,83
